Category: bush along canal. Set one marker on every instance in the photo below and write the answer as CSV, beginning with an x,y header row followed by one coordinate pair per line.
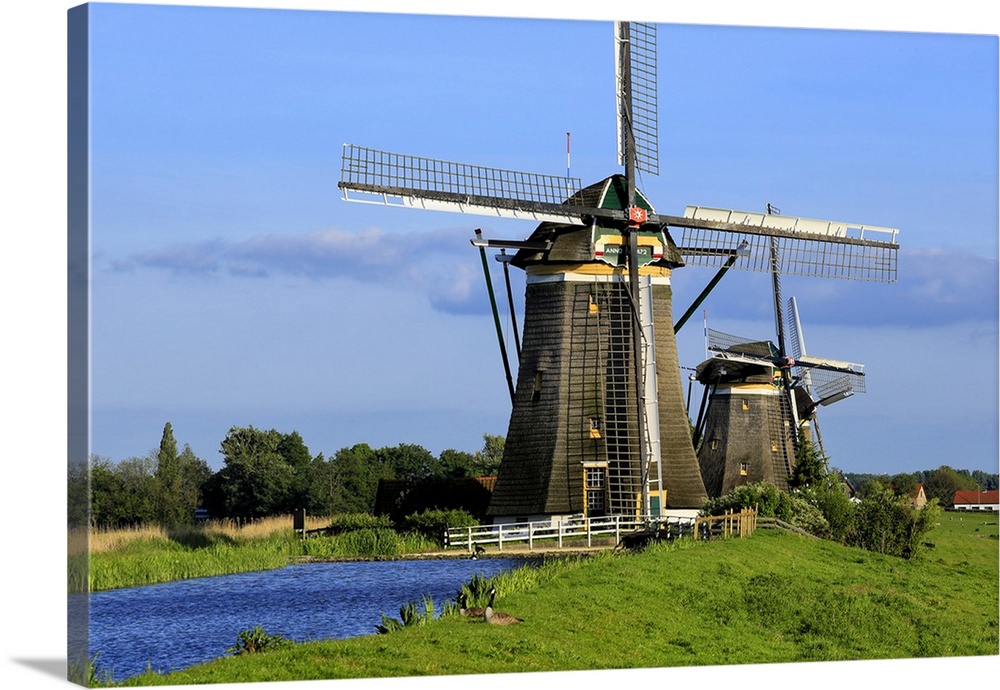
x,y
178,624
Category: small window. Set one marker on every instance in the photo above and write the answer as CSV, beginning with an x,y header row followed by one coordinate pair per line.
x,y
746,404
595,427
593,305
774,447
744,469
595,478
715,444
536,392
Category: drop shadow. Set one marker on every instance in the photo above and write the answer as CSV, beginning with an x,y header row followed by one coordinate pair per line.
x,y
50,667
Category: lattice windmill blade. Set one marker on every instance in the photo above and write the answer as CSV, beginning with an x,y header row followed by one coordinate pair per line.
x,y
636,96
745,350
795,330
807,247
726,343
826,380
395,179
798,344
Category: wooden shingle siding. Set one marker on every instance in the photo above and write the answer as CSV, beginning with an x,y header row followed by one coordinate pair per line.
x,y
533,467
756,437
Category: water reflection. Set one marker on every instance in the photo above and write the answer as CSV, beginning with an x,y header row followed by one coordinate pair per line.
x,y
178,624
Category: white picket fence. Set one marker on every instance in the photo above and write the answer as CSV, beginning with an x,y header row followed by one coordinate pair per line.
x,y
557,533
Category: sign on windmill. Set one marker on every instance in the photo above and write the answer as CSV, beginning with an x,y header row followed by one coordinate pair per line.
x,y
598,423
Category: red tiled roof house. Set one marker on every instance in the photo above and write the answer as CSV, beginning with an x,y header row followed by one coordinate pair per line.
x,y
978,500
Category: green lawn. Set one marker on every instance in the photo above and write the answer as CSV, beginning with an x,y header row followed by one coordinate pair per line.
x,y
773,597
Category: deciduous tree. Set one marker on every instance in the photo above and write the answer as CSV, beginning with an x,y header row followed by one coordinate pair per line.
x,y
256,479
943,482
409,461
488,459
354,475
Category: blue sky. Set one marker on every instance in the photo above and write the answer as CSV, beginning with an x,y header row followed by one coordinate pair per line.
x,y
233,286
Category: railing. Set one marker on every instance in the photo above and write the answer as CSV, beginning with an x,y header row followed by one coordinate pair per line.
x,y
741,524
573,531
776,523
577,531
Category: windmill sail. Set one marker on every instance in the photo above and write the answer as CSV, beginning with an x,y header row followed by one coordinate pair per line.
x,y
636,96
396,179
807,247
826,380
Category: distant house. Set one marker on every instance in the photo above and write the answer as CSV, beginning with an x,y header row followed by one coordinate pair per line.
x,y
398,498
847,484
978,500
919,497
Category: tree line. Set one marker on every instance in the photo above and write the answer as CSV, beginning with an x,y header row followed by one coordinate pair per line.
x,y
267,472
264,472
941,483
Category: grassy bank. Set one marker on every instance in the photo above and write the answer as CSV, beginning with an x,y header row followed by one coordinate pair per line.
x,y
773,597
148,555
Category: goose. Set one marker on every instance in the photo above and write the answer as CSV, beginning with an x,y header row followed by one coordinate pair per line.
x,y
498,617
474,612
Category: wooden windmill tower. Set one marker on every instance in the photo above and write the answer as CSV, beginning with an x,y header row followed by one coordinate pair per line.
x,y
598,424
760,404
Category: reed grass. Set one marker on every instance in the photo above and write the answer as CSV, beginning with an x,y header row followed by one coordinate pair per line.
x,y
104,540
366,543
152,554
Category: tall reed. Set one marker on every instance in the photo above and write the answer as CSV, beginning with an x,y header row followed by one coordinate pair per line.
x,y
152,554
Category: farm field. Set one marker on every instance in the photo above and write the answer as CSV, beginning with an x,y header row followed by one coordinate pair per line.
x,y
771,598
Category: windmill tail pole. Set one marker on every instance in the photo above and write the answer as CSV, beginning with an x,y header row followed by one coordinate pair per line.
x,y
510,304
699,425
704,293
496,317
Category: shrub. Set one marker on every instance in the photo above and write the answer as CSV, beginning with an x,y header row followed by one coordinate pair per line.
x,y
769,500
890,525
350,522
833,502
808,517
434,523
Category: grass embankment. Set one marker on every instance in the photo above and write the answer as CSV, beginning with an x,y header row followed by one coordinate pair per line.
x,y
773,597
148,555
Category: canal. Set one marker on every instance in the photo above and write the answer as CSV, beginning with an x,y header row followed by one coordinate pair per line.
x,y
178,624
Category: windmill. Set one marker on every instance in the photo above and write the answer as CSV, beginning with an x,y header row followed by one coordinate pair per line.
x,y
760,405
598,422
